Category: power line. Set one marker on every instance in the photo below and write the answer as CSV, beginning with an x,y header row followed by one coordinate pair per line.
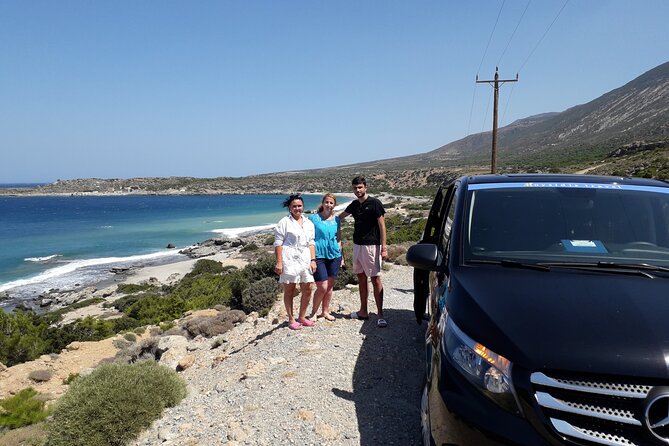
x,y
471,111
514,32
490,39
492,32
485,115
508,101
544,35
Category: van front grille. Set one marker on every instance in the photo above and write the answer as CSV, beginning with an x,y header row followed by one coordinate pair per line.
x,y
595,411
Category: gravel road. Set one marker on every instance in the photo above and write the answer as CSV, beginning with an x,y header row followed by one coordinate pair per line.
x,y
345,382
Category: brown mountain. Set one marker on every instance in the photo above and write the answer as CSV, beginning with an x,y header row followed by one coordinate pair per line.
x,y
637,111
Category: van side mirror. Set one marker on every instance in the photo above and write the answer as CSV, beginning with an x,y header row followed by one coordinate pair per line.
x,y
424,256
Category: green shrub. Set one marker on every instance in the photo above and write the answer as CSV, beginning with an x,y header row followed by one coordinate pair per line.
x,y
22,409
132,288
249,247
132,337
345,277
124,323
263,267
206,266
123,302
86,329
238,283
202,291
114,404
121,344
41,375
70,378
165,326
32,435
400,232
268,240
153,309
260,296
227,269
22,337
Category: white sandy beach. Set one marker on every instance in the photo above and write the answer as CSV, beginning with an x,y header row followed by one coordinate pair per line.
x,y
177,270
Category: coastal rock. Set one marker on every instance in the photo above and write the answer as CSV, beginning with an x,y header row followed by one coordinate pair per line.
x,y
4,295
186,362
170,246
67,297
23,306
2,367
122,269
76,345
172,349
195,252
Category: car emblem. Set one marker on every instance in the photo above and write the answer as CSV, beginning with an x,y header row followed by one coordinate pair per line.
x,y
657,416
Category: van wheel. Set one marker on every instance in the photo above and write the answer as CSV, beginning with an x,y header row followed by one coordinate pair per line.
x,y
425,424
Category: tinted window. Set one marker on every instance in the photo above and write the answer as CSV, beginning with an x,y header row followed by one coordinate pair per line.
x,y
542,223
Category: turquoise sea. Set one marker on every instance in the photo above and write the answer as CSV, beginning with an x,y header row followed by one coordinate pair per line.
x,y
70,242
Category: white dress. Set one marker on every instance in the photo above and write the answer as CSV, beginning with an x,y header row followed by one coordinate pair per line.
x,y
295,240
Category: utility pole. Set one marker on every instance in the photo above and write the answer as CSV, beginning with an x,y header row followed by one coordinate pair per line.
x,y
495,83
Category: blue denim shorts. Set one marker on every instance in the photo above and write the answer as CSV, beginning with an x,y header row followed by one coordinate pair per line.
x,y
326,268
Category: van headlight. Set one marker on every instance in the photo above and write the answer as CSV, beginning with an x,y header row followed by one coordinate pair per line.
x,y
485,369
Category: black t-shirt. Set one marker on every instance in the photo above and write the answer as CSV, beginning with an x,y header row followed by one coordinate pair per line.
x,y
366,227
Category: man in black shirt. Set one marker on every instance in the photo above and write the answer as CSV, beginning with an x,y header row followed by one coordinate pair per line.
x,y
369,246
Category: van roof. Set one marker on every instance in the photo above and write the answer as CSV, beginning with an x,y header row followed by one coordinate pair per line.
x,y
561,178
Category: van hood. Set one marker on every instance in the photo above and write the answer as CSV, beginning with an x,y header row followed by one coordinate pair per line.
x,y
566,319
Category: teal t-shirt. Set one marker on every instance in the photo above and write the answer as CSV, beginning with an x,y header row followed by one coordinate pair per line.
x,y
326,237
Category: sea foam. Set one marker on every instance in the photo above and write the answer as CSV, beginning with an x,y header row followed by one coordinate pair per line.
x,y
239,232
42,259
70,268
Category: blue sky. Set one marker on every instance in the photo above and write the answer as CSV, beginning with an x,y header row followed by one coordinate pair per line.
x,y
232,88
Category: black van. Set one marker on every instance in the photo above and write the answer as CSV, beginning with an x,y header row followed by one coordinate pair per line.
x,y
548,306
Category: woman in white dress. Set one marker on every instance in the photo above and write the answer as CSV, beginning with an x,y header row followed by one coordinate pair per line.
x,y
295,259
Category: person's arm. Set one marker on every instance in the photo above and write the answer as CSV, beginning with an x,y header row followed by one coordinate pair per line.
x,y
343,214
339,242
278,251
312,247
382,231
312,251
278,247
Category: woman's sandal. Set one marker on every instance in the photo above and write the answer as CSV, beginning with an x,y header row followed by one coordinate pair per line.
x,y
328,317
295,326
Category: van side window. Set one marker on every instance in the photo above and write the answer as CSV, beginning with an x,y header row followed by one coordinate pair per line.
x,y
444,242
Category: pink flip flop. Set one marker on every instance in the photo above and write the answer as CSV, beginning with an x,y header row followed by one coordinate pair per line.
x,y
307,322
295,326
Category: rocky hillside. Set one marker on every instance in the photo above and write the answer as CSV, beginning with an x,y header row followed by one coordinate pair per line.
x,y
636,113
614,127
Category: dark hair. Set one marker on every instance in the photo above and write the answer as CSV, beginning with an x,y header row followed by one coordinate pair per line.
x,y
359,180
287,201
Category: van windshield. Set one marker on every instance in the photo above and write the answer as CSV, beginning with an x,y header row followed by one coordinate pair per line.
x,y
567,222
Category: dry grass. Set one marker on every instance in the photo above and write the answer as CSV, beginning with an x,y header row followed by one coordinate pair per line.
x,y
33,435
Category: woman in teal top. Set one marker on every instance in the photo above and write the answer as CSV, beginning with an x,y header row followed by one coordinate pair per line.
x,y
328,255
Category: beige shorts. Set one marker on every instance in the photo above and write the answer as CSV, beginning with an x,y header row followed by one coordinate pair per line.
x,y
303,277
367,259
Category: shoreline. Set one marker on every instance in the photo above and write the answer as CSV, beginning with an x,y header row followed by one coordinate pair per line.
x,y
224,246
224,249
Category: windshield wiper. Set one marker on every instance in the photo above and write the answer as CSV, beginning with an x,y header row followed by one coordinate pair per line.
x,y
641,266
624,268
511,264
